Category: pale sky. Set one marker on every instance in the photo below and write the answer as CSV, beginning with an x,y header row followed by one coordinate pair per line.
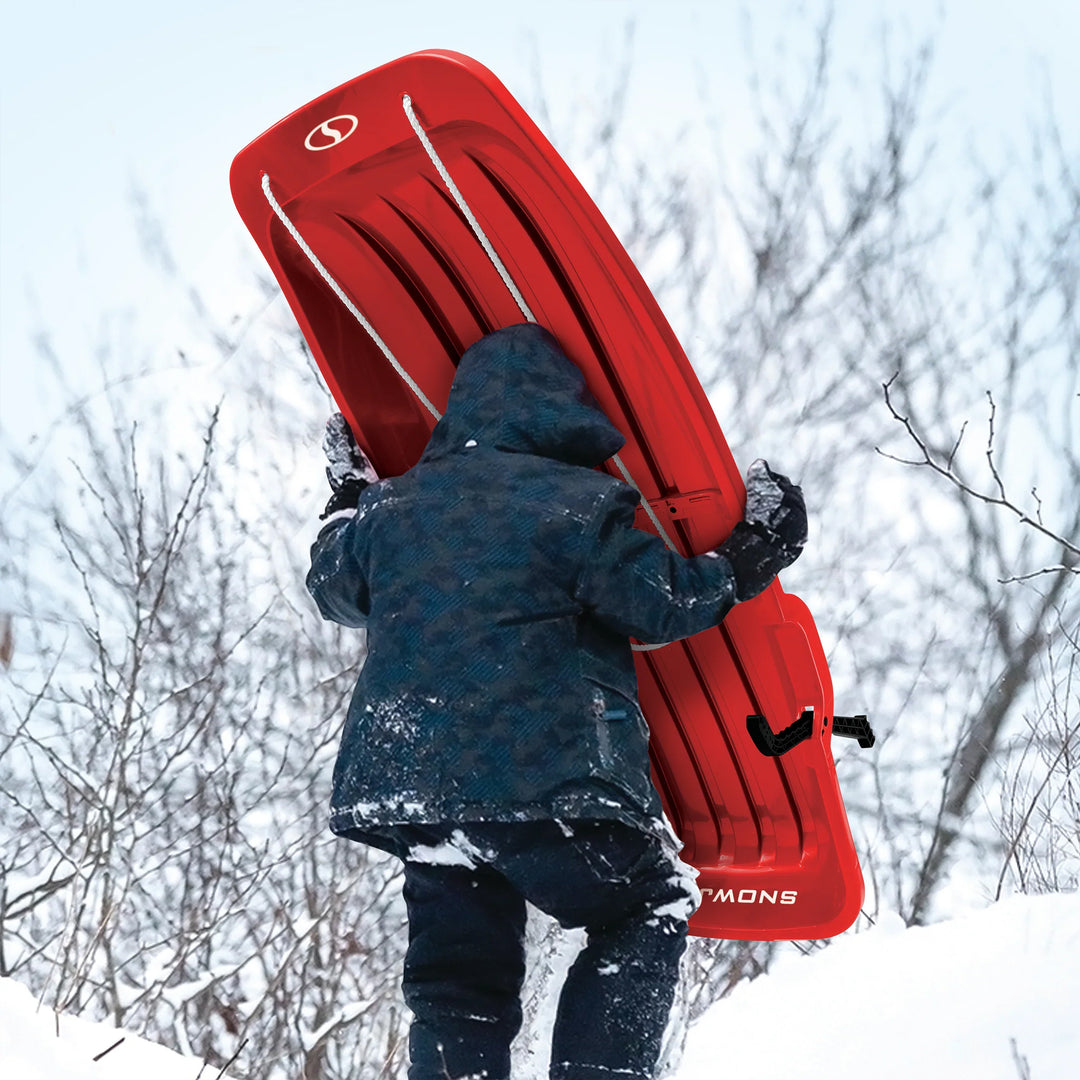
x,y
98,97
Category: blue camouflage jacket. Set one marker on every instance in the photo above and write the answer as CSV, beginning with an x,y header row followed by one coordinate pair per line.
x,y
499,581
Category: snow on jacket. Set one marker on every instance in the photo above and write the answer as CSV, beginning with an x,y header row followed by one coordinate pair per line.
x,y
499,581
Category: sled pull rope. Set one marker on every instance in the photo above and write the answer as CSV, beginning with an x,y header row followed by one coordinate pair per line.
x,y
508,281
464,207
340,293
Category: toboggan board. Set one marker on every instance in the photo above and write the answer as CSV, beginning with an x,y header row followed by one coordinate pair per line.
x,y
769,834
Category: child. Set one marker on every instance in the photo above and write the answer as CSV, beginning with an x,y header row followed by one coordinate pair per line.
x,y
494,741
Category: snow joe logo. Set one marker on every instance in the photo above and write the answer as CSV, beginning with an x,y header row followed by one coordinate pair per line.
x,y
753,896
331,132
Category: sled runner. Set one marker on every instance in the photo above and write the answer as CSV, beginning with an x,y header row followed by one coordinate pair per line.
x,y
421,199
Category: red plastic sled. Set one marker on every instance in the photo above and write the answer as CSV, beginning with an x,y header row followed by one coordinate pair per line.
x,y
768,833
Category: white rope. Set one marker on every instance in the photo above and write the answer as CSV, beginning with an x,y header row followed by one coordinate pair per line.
x,y
340,293
492,254
437,161
644,502
659,528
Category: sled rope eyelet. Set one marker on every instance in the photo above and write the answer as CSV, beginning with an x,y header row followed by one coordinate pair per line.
x,y
340,293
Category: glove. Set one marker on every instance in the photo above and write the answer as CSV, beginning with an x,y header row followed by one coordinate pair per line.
x,y
771,535
348,471
774,501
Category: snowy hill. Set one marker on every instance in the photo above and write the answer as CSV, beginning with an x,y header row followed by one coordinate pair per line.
x,y
991,996
38,1045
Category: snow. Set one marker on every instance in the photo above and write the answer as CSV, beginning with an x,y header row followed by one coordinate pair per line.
x,y
459,850
38,1044
974,998
764,496
989,996
343,1015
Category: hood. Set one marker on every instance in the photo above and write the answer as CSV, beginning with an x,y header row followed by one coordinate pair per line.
x,y
516,390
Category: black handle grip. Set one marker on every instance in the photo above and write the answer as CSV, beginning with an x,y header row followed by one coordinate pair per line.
x,y
775,743
854,727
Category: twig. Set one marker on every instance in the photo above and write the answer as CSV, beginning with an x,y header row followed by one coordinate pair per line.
x,y
98,1057
1023,1069
1009,855
239,1051
948,471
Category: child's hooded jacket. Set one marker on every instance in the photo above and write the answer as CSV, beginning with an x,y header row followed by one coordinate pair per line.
x,y
499,581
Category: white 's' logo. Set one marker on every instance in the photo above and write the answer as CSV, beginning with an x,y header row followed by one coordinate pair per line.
x,y
331,132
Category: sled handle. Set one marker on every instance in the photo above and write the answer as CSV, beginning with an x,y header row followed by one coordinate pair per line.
x,y
776,744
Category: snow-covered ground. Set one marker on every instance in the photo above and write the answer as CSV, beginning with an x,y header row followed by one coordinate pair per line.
x,y
991,996
971,999
36,1044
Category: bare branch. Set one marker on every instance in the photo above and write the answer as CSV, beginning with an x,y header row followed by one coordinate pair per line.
x,y
946,469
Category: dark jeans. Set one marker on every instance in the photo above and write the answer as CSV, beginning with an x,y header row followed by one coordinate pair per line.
x,y
466,887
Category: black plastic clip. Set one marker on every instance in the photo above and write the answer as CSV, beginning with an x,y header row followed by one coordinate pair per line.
x,y
774,744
